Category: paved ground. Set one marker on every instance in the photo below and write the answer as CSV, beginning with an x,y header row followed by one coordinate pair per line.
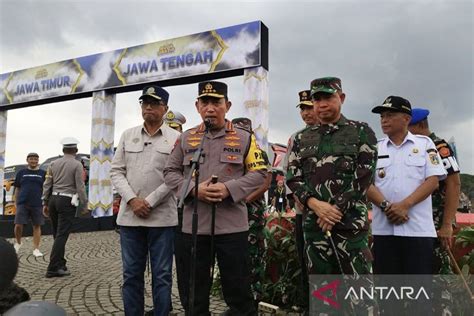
x,y
94,286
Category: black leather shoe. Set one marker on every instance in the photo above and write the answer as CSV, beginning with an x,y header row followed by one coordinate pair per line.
x,y
59,273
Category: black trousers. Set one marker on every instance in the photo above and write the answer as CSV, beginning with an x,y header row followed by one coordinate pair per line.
x,y
403,255
180,259
397,255
61,213
233,261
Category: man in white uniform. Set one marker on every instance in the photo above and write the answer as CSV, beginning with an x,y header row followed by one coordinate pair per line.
x,y
407,172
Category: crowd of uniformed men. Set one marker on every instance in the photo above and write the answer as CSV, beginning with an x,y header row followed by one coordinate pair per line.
x,y
334,167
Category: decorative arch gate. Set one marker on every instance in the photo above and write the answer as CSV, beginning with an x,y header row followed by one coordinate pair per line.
x,y
239,50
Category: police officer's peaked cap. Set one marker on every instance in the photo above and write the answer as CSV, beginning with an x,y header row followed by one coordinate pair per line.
x,y
174,118
32,155
155,92
305,98
69,142
418,115
394,104
214,89
325,84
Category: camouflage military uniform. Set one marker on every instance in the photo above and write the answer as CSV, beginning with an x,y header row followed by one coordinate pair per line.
x,y
256,248
335,163
442,262
256,210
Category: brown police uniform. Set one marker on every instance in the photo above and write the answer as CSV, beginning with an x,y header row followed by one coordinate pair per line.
x,y
228,154
232,154
63,180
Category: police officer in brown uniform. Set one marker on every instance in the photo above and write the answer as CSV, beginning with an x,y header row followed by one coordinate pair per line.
x,y
63,180
231,153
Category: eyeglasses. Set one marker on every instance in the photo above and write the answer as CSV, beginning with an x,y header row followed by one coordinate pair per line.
x,y
151,102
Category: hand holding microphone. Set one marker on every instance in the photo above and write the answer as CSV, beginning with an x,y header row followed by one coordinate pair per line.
x,y
212,192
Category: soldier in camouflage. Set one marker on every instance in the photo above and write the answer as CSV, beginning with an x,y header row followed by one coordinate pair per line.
x,y
256,213
310,118
445,199
330,167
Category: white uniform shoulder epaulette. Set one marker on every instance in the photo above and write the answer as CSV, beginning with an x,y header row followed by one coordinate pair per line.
x,y
422,136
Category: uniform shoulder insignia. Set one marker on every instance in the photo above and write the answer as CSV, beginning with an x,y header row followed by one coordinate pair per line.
x,y
433,155
242,128
444,152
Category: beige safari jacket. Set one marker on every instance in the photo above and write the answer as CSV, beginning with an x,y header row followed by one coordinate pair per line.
x,y
137,171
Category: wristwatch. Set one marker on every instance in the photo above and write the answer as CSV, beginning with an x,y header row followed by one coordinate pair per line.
x,y
383,205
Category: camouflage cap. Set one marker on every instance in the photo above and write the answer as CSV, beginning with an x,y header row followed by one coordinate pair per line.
x,y
155,92
174,118
305,98
326,84
394,104
214,89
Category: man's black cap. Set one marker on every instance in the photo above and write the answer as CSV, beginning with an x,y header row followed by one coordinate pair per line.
x,y
214,89
394,104
32,155
305,98
156,92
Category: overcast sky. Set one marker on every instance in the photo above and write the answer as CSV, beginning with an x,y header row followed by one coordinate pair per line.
x,y
421,50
